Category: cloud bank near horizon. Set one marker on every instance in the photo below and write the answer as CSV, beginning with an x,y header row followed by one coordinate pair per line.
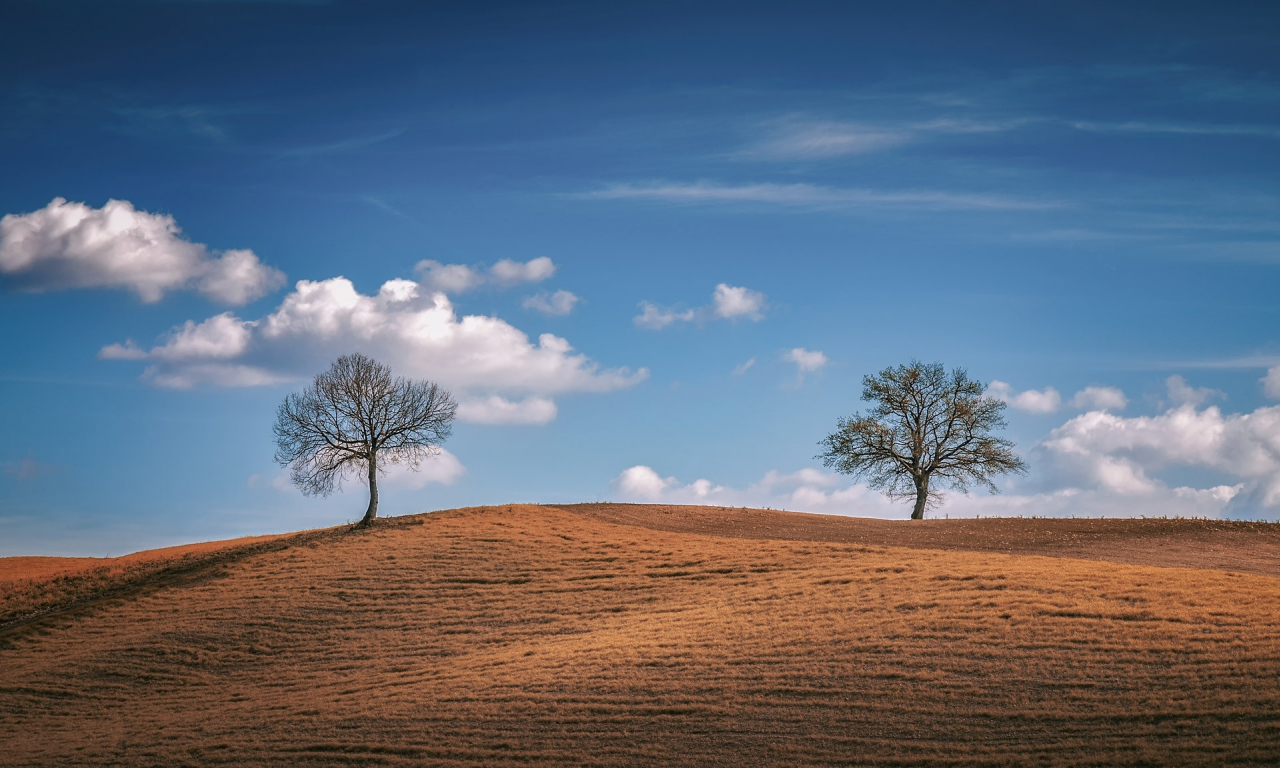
x,y
1096,464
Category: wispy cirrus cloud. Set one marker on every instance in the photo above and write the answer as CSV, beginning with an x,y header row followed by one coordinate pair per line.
x,y
1191,129
804,139
810,197
350,144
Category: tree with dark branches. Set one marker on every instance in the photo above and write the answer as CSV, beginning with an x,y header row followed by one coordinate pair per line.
x,y
356,419
926,428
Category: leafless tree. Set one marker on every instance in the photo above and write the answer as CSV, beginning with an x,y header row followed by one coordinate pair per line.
x,y
355,419
925,427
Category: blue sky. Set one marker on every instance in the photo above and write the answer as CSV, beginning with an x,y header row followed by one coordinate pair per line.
x,y
651,247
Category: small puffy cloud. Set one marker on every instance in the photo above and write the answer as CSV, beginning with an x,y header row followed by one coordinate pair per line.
x,y
806,490
728,302
641,482
1271,382
1182,393
69,245
442,468
221,337
508,272
460,278
806,361
1100,399
656,318
1049,400
236,278
448,278
741,369
499,410
559,303
483,359
731,302
1042,401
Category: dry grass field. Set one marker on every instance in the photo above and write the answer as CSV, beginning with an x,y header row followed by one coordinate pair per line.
x,y
630,635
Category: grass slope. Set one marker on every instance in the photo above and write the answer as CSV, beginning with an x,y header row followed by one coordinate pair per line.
x,y
520,635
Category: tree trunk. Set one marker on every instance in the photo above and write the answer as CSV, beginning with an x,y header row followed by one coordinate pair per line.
x,y
922,495
372,512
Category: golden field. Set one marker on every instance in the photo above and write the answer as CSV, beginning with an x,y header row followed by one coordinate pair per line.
x,y
645,635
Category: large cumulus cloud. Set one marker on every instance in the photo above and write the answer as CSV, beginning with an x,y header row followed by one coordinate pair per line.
x,y
68,245
484,359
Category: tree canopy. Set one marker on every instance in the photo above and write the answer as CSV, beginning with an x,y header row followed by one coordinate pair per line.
x,y
355,419
925,428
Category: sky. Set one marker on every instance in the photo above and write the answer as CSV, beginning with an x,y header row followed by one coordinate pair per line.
x,y
652,249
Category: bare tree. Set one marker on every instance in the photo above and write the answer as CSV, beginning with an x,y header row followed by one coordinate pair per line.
x,y
355,419
925,427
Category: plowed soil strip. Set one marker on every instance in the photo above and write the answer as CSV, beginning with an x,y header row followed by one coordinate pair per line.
x,y
1240,546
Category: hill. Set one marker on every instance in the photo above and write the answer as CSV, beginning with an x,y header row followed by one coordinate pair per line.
x,y
623,635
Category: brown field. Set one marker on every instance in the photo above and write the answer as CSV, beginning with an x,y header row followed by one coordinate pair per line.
x,y
43,568
639,635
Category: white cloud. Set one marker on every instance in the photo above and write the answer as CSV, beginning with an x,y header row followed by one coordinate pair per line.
x,y
806,361
499,410
641,482
1271,382
443,468
1096,464
1049,400
508,272
810,196
731,302
1182,393
237,277
826,139
221,337
807,490
418,336
743,368
449,278
1043,401
1100,398
657,318
557,304
460,278
1265,131
804,139
1123,455
728,302
71,245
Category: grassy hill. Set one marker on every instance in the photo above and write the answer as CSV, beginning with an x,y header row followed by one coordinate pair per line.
x,y
625,635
